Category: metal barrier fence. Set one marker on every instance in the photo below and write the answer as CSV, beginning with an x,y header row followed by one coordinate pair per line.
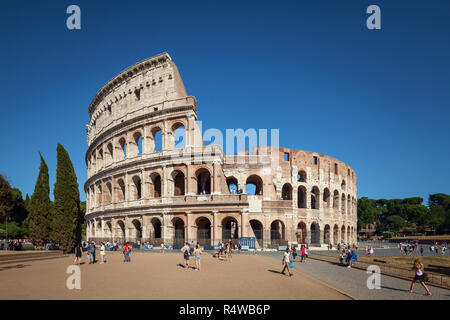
x,y
437,279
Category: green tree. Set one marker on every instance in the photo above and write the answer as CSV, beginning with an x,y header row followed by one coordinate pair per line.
x,y
39,220
67,218
6,199
396,222
366,212
19,212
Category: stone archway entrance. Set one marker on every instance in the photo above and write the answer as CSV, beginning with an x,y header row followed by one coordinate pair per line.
x,y
230,230
203,231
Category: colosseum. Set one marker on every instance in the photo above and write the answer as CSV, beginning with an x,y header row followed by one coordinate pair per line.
x,y
144,187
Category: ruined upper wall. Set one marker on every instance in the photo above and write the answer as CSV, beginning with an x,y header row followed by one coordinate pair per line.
x,y
150,83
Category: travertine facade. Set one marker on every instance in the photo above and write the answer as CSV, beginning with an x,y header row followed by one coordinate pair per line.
x,y
138,193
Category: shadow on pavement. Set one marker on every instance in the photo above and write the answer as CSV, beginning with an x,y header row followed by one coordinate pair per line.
x,y
17,266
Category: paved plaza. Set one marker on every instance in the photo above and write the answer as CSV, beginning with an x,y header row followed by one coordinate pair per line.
x,y
159,276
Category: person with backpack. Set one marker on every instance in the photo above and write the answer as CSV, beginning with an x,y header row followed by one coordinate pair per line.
x,y
185,251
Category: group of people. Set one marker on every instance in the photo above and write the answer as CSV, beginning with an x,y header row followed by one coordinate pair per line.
x,y
348,257
90,249
224,250
435,248
13,245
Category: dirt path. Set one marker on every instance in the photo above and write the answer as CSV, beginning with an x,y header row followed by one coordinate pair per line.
x,y
159,276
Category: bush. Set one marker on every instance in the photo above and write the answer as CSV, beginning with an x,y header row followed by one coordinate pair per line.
x,y
387,235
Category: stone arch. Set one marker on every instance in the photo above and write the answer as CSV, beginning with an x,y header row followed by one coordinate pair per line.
x,y
178,183
120,230
349,204
99,194
326,198
336,200
137,230
230,229
301,176
99,229
277,232
123,148
258,231
327,234
343,234
137,139
108,192
109,154
315,233
203,225
286,192
301,197
343,203
315,198
343,185
155,233
157,139
179,228
107,230
155,186
301,232
120,193
335,234
203,176
257,182
233,186
137,188
178,135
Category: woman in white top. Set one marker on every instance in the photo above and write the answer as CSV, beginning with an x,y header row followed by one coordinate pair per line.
x,y
285,262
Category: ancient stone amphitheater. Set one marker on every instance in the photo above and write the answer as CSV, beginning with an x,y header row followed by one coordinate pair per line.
x,y
143,187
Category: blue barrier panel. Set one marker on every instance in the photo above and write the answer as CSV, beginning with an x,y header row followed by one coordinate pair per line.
x,y
247,242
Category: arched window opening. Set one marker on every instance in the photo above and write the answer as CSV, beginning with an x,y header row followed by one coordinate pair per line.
x,y
156,181
203,182
203,231
157,139
336,199
254,185
301,197
301,176
230,230
327,234
232,184
277,232
315,198
343,204
120,190
286,192
326,198
179,133
123,147
179,183
301,232
257,229
178,225
315,233
138,141
137,188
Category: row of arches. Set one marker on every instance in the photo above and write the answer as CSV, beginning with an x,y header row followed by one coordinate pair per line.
x,y
137,143
275,234
115,191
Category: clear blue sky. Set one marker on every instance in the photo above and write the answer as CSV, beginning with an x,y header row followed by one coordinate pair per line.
x,y
378,100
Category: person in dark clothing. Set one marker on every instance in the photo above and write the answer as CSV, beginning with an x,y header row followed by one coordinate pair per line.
x,y
77,254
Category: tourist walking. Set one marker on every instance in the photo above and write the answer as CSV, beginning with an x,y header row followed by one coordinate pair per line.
x,y
197,253
228,251
185,251
286,261
102,253
77,254
294,252
126,252
89,254
303,252
419,276
421,250
93,251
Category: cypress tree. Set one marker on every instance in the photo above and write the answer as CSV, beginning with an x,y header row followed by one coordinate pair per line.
x,y
39,218
67,217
